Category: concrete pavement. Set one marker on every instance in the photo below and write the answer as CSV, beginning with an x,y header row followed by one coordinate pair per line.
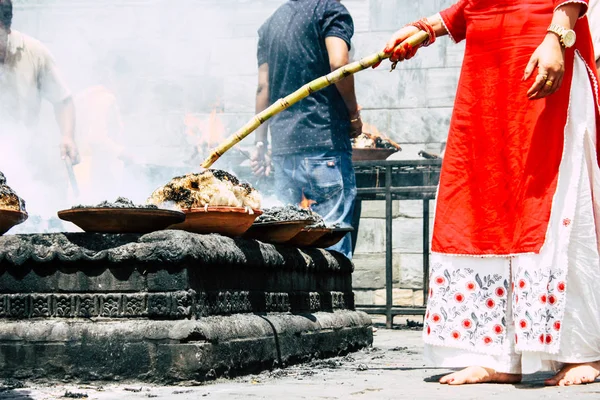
x,y
391,369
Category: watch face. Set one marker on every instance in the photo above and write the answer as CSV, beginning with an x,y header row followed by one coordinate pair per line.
x,y
569,38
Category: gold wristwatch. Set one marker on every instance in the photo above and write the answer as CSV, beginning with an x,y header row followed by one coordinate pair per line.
x,y
567,36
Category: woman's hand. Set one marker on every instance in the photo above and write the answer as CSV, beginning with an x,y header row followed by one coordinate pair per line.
x,y
404,52
549,58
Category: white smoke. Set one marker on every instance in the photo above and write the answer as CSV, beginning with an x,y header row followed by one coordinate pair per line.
x,y
135,68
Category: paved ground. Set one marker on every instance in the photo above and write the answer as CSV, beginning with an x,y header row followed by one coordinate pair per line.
x,y
392,369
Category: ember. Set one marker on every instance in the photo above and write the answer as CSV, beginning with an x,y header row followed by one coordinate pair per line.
x,y
121,202
8,198
372,138
291,213
208,188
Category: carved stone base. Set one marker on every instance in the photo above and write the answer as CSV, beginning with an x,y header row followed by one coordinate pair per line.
x,y
165,351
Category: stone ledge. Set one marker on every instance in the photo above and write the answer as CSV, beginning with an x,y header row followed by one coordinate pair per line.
x,y
168,247
168,351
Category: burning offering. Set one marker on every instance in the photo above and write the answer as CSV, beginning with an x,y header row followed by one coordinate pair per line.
x,y
214,201
121,202
373,145
121,216
12,207
212,187
8,198
290,213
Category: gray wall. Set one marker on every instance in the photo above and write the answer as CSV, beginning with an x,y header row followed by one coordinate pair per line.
x,y
183,56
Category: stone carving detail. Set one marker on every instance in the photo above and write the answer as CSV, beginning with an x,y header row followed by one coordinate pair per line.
x,y
167,305
110,305
314,301
40,305
134,305
17,306
184,303
202,305
62,306
277,302
3,306
86,306
338,300
159,305
229,302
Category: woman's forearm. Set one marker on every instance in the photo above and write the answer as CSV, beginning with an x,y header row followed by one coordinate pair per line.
x,y
567,15
436,22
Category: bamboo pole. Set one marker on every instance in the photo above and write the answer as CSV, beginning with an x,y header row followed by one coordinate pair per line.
x,y
303,92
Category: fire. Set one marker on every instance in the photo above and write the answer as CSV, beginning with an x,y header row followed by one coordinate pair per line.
x,y
207,133
306,203
371,137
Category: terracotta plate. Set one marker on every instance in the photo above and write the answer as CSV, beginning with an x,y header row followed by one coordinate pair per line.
x,y
275,232
331,238
307,236
10,218
228,221
369,154
121,220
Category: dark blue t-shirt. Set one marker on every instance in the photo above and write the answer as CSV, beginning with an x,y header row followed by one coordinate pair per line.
x,y
292,42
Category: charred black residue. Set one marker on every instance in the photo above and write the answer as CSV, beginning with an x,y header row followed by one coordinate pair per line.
x,y
225,176
291,213
121,202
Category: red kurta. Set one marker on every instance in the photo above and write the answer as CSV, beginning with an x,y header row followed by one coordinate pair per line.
x,y
500,169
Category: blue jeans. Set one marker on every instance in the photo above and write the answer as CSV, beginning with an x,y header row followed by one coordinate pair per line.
x,y
325,177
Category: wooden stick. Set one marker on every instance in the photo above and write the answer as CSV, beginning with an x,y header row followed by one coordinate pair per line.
x,y
303,92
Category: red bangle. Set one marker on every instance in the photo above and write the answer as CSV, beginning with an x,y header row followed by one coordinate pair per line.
x,y
425,26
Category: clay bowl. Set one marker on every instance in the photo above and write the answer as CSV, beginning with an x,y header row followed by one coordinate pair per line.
x,y
121,220
307,236
227,221
275,232
10,218
331,238
370,154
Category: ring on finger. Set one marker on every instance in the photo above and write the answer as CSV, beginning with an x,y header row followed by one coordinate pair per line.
x,y
549,82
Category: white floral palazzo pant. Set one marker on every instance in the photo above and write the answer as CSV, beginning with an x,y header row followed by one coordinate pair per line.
x,y
530,312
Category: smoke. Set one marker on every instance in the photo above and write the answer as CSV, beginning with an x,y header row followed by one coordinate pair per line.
x,y
136,68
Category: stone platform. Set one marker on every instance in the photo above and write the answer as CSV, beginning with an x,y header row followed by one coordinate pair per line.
x,y
169,306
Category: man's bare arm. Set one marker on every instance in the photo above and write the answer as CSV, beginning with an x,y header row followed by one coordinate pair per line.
x,y
64,113
260,164
337,49
262,100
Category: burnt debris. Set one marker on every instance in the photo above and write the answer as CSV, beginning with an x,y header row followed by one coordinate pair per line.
x,y
9,198
291,213
212,187
121,202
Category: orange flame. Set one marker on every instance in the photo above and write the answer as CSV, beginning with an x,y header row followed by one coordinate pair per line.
x,y
208,133
306,203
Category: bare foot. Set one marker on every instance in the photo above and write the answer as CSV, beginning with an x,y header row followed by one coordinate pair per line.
x,y
479,375
575,374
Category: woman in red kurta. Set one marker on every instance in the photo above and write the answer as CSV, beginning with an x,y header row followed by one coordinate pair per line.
x,y
515,269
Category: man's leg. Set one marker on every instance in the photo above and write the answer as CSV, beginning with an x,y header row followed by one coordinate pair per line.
x,y
287,187
332,185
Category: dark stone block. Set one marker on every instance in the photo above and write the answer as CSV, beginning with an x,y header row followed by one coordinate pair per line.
x,y
160,280
168,351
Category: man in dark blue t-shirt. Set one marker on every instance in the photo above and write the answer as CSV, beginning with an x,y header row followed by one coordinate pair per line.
x,y
311,149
